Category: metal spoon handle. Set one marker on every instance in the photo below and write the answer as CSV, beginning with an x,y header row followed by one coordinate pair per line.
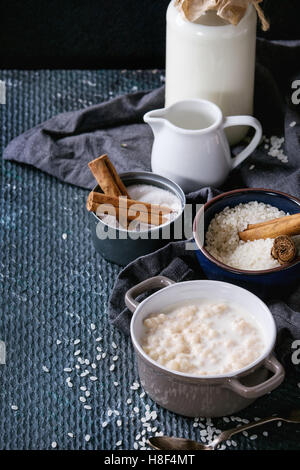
x,y
230,432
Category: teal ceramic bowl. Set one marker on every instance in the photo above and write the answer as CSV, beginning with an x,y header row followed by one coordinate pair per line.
x,y
115,245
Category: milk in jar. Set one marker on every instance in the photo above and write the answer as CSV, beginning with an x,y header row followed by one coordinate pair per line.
x,y
214,60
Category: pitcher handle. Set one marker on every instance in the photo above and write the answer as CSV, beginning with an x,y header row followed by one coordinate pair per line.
x,y
241,121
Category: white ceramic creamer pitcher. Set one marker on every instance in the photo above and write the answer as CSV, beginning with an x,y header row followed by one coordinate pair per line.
x,y
190,146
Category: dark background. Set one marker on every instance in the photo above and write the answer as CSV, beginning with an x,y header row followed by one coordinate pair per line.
x,y
103,33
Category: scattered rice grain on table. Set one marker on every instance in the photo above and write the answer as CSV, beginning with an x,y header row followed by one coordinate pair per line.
x,y
274,147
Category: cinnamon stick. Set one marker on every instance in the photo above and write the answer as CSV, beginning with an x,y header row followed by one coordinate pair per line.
x,y
288,225
107,176
125,202
129,209
111,201
260,224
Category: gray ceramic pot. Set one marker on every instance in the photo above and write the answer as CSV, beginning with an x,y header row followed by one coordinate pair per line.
x,y
121,249
208,396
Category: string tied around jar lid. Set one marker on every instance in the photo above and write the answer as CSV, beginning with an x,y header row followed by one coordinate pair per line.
x,y
231,11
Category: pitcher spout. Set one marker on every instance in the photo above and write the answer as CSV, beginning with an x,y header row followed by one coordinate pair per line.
x,y
155,119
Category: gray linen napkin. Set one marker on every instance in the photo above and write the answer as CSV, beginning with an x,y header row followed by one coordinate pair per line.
x,y
279,116
63,145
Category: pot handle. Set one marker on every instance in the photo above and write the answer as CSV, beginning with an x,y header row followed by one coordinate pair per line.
x,y
144,286
259,390
245,120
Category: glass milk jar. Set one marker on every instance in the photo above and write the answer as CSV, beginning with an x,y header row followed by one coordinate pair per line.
x,y
214,60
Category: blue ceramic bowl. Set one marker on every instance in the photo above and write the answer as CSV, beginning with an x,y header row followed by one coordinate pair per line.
x,y
266,282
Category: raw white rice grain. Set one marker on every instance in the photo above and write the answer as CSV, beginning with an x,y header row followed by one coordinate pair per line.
x,y
222,240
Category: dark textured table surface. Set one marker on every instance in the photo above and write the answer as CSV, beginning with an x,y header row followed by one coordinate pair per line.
x,y
70,380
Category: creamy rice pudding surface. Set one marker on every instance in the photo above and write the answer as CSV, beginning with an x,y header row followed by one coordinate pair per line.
x,y
203,338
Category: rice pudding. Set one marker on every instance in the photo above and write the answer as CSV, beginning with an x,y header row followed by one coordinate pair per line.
x,y
203,338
